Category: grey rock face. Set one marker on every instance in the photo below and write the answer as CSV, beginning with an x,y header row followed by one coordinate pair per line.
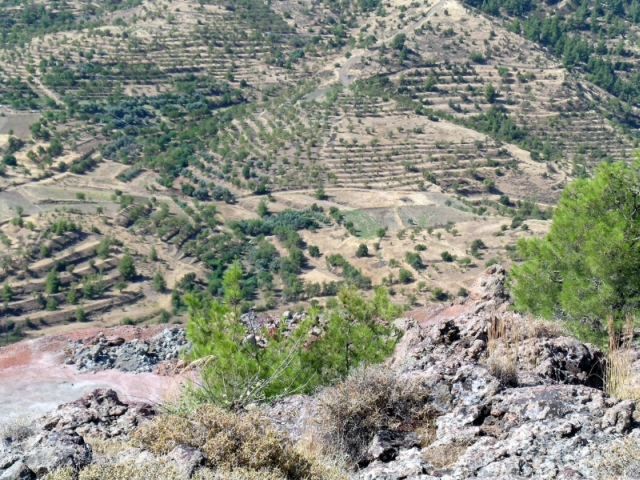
x,y
553,424
50,451
99,413
387,444
134,356
186,459
58,438
17,471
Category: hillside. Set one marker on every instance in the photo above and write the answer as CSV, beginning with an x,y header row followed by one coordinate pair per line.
x,y
471,391
187,134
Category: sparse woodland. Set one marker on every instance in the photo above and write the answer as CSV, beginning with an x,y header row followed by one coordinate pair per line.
x,y
327,166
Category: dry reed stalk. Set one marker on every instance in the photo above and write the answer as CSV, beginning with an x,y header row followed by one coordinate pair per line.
x,y
617,371
502,363
496,331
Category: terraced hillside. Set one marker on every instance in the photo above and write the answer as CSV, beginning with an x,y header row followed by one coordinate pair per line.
x,y
317,143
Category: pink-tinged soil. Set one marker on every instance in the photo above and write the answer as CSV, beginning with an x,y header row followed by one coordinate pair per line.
x,y
34,378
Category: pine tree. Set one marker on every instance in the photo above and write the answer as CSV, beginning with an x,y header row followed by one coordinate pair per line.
x,y
81,316
72,295
263,208
126,267
320,193
52,282
159,282
7,292
176,301
585,268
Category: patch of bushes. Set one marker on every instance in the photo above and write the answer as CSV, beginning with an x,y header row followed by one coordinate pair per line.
x,y
369,400
447,257
349,272
238,371
363,251
233,442
83,164
129,174
414,260
287,218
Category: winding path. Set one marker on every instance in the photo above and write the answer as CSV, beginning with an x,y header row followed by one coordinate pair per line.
x,y
343,71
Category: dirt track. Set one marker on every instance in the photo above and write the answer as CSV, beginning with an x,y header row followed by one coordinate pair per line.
x,y
34,378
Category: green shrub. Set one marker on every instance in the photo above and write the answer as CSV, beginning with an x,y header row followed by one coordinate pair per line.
x,y
159,283
314,251
52,282
81,316
491,261
447,257
7,292
404,276
126,267
414,260
239,371
476,246
439,295
51,304
363,251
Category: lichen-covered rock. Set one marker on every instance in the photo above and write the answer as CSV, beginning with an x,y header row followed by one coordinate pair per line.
x,y
99,413
186,459
136,356
48,452
17,471
553,423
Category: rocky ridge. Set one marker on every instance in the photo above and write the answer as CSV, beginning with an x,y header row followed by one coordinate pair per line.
x,y
550,420
136,356
58,439
512,398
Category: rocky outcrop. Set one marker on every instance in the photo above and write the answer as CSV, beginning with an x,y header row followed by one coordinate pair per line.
x,y
507,398
58,439
552,423
98,414
41,454
136,356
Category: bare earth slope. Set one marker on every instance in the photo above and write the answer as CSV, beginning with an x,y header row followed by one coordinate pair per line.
x,y
35,379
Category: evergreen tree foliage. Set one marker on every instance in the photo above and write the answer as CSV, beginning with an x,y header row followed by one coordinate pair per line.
x,y
588,265
52,282
7,292
126,267
159,283
363,251
243,363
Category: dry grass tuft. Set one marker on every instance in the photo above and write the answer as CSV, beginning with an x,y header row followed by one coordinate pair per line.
x,y
18,428
106,447
368,400
502,350
232,441
620,460
65,473
537,328
618,375
443,456
160,468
